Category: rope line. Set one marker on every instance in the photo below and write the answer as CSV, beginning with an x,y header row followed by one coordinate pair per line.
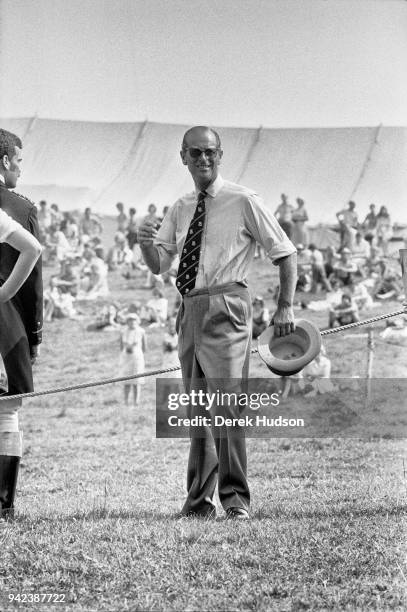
x,y
108,381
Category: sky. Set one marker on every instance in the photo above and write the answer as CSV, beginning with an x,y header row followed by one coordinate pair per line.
x,y
276,63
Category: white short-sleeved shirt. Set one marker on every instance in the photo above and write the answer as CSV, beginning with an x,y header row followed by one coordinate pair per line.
x,y
235,220
7,225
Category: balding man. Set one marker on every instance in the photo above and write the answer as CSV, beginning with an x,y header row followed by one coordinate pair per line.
x,y
214,231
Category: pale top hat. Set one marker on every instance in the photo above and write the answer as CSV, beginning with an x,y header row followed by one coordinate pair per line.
x,y
288,355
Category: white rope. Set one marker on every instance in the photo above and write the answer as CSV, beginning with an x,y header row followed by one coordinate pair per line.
x,y
108,381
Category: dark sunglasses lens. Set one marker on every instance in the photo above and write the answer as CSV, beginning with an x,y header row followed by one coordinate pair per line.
x,y
196,153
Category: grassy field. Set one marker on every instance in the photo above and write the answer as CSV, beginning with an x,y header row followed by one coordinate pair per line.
x,y
97,494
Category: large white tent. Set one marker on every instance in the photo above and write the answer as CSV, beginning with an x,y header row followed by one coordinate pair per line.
x,y
97,164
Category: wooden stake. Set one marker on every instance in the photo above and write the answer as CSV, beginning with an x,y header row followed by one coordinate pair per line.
x,y
403,261
370,356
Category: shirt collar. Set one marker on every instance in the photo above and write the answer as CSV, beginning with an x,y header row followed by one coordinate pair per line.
x,y
214,187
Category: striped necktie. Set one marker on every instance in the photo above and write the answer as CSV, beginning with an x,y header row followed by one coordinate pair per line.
x,y
188,265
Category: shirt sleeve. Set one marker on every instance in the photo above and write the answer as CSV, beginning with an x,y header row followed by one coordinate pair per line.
x,y
7,226
165,242
265,229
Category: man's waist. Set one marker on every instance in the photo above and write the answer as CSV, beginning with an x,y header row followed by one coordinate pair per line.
x,y
231,287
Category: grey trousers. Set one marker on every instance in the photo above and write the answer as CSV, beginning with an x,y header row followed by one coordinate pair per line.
x,y
214,348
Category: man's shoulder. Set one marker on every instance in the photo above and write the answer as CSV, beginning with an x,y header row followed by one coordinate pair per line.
x,y
13,199
236,188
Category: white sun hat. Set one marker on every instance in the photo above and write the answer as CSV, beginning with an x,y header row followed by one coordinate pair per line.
x,y
287,355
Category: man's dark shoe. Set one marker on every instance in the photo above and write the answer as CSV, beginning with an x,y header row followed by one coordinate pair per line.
x,y
238,514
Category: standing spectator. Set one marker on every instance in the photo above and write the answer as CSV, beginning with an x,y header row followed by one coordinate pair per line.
x,y
44,221
349,215
121,218
131,234
284,215
318,270
56,215
347,235
384,229
132,348
370,223
300,217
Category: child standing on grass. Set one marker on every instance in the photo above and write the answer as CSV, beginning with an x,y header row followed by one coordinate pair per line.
x,y
132,349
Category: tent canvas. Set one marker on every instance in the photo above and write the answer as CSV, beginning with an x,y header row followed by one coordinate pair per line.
x,y
83,163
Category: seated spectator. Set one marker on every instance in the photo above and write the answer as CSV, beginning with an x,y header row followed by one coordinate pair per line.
x,y
97,283
395,332
361,295
69,276
345,268
90,224
106,320
152,216
331,299
330,259
58,302
360,251
156,310
388,287
119,253
70,228
58,244
344,313
261,316
316,375
318,270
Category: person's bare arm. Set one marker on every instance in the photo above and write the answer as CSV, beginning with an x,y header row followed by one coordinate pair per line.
x,y
146,234
30,250
283,318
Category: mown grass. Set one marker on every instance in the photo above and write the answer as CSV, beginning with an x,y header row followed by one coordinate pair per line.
x,y
98,492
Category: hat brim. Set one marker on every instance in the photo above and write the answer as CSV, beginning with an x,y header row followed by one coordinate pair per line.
x,y
288,355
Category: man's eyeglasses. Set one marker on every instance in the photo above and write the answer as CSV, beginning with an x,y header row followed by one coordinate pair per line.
x,y
196,153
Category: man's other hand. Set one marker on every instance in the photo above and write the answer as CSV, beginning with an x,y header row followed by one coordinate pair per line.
x,y
283,321
34,353
147,232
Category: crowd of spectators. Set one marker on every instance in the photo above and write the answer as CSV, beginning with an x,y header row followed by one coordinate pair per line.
x,y
351,275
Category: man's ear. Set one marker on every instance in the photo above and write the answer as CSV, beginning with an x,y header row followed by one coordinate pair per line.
x,y
220,155
5,162
182,154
